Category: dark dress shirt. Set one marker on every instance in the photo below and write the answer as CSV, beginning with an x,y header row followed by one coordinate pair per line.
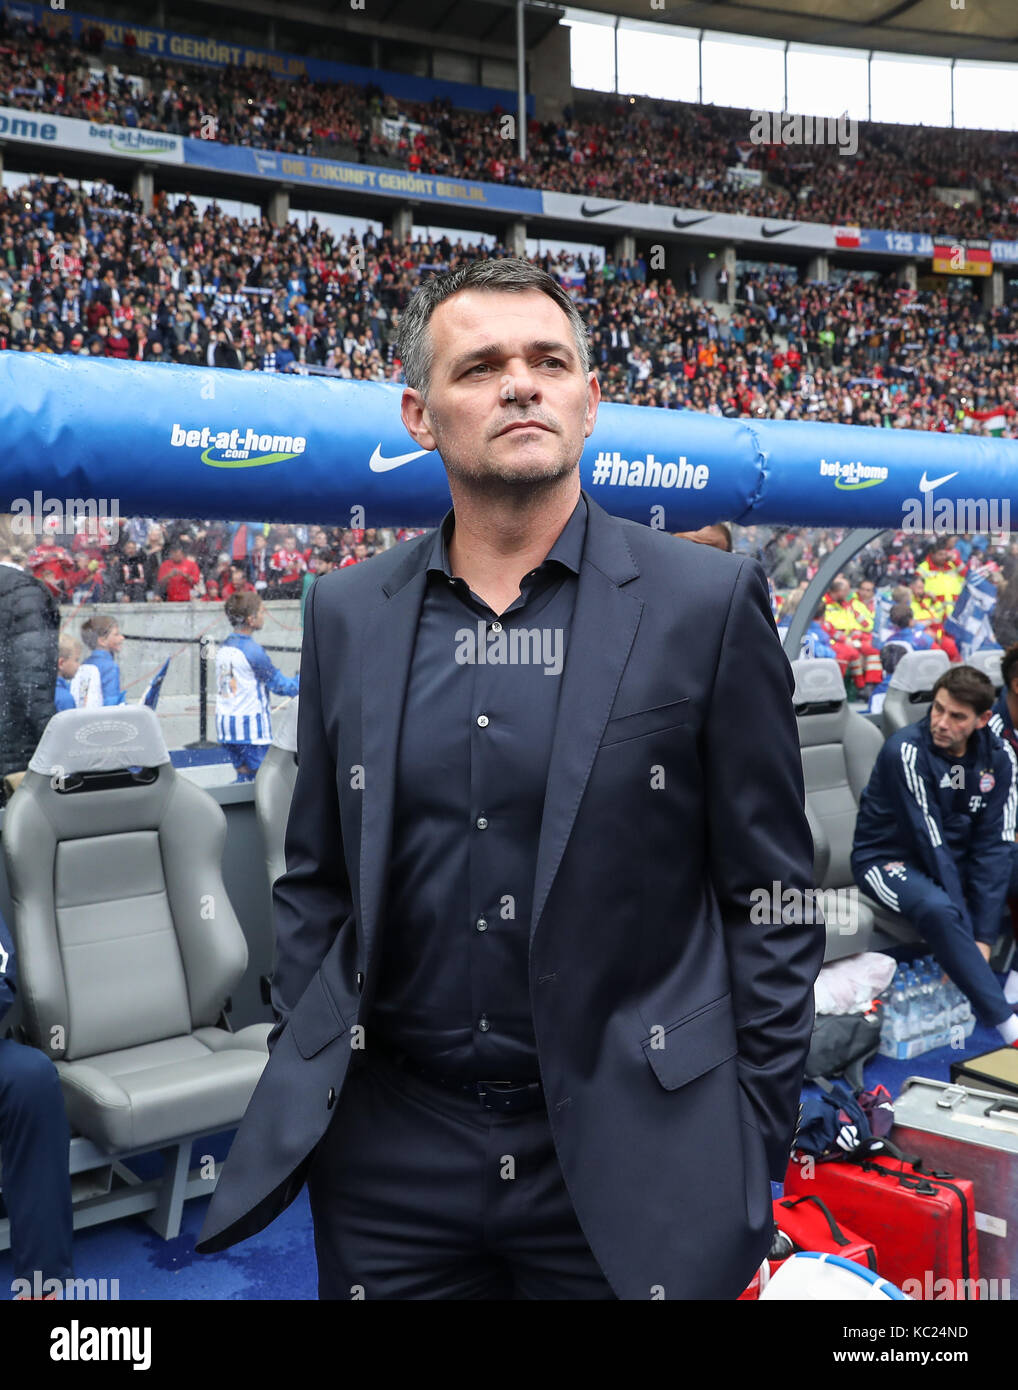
x,y
472,765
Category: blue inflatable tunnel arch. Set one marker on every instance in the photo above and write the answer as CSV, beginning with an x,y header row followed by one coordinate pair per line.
x,y
160,440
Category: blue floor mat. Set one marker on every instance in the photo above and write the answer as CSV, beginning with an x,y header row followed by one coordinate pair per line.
x,y
279,1262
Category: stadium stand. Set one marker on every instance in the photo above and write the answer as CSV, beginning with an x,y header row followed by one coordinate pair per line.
x,y
684,151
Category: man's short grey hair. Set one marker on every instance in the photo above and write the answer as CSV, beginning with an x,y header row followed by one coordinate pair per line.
x,y
416,349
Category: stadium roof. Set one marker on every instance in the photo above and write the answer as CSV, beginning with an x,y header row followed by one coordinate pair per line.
x,y
983,29
488,28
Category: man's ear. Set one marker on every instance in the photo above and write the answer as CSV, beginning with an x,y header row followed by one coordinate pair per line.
x,y
984,719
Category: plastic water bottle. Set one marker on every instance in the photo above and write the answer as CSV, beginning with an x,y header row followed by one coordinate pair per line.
x,y
933,982
957,1006
943,1002
927,1005
962,1012
913,1008
894,1024
899,1007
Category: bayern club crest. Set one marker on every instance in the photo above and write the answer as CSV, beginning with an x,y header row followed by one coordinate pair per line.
x,y
987,782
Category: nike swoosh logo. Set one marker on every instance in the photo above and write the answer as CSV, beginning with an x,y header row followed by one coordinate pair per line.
x,y
928,484
678,221
598,212
380,464
769,232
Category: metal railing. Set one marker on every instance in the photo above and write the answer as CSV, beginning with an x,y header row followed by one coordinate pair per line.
x,y
206,644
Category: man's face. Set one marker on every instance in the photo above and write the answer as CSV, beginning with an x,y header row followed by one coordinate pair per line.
x,y
951,723
866,590
839,590
918,587
530,373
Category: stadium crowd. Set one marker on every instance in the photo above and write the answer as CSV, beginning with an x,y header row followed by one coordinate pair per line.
x,y
140,559
672,153
92,274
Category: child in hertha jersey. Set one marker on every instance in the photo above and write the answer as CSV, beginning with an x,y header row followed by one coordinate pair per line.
x,y
245,677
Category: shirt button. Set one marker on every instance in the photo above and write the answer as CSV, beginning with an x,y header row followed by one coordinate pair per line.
x,y
496,627
481,924
483,1023
482,719
482,822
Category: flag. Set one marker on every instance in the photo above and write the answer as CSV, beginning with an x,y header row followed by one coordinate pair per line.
x,y
962,256
151,696
993,419
969,623
847,236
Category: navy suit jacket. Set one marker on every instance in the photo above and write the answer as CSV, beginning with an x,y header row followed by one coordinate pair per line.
x,y
8,987
672,1027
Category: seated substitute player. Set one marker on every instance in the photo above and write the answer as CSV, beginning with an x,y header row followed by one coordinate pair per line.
x,y
1002,722
934,837
35,1138
245,677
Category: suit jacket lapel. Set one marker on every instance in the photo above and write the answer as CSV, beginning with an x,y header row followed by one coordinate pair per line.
x,y
605,619
389,632
604,625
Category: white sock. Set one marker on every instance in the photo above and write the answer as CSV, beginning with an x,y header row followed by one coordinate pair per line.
x,y
1011,987
1008,1030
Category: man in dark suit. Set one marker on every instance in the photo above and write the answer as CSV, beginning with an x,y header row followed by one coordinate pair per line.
x,y
533,1039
